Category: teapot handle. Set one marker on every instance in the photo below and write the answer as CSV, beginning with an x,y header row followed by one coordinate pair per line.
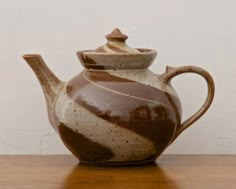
x,y
172,72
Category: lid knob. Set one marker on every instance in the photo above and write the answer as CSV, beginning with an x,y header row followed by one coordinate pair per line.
x,y
116,43
116,35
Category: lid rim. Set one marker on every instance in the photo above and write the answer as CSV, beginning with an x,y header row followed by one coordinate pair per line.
x,y
104,61
142,51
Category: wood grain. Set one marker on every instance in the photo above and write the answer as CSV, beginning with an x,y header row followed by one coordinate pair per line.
x,y
170,172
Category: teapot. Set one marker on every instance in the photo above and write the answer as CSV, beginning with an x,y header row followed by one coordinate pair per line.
x,y
116,111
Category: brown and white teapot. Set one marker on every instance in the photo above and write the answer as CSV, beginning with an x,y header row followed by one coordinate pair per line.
x,y
116,111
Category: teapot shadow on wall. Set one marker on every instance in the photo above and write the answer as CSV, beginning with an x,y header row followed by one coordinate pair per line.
x,y
150,176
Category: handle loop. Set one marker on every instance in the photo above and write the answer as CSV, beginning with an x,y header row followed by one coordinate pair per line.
x,y
172,72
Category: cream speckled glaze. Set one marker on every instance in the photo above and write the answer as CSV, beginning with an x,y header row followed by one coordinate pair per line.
x,y
116,111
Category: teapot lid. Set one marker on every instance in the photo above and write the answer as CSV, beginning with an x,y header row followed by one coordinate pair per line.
x,y
116,43
116,55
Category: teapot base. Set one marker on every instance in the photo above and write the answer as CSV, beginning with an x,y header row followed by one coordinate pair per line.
x,y
120,163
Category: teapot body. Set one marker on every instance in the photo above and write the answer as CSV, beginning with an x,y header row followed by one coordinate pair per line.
x,y
116,117
116,111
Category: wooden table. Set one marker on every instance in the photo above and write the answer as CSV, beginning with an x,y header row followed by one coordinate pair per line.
x,y
170,172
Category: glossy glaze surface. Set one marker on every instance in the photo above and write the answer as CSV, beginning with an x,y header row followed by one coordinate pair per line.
x,y
115,118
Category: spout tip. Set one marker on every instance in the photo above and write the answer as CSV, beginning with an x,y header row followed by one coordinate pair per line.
x,y
33,59
30,56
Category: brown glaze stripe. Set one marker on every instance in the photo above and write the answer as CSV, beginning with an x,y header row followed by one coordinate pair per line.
x,y
177,108
89,63
123,94
116,49
130,88
82,147
148,119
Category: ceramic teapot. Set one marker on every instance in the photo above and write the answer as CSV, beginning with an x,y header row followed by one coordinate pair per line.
x,y
116,111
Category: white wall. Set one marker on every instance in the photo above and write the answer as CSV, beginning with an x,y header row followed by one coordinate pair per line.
x,y
200,33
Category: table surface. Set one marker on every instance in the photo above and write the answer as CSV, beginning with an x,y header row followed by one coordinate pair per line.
x,y
169,172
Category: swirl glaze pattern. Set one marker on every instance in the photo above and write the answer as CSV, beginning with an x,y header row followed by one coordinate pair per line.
x,y
118,119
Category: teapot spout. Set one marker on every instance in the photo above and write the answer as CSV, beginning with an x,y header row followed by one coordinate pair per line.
x,y
50,84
